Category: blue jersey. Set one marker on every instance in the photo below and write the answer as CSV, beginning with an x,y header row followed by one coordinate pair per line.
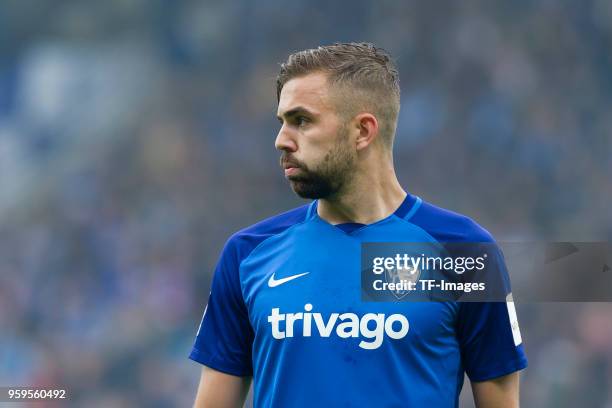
x,y
285,307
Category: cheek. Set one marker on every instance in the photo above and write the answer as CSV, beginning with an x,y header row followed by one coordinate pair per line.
x,y
313,146
317,142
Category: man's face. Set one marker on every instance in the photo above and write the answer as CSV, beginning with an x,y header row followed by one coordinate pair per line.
x,y
317,150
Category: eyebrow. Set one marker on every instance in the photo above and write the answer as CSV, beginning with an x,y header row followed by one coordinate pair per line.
x,y
295,111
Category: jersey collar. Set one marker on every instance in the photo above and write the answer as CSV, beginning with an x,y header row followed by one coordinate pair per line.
x,y
406,209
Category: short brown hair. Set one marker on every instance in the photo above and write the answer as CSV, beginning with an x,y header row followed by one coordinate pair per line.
x,y
367,71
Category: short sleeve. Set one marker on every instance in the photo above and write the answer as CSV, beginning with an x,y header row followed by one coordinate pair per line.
x,y
225,337
488,332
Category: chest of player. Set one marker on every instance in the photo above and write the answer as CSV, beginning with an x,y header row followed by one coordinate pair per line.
x,y
307,285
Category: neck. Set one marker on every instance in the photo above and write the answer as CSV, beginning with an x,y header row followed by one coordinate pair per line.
x,y
372,195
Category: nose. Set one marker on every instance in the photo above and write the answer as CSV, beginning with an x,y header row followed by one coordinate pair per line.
x,y
284,140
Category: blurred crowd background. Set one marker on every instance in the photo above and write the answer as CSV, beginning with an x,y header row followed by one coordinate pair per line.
x,y
136,136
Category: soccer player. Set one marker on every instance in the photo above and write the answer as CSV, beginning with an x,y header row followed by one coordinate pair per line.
x,y
285,307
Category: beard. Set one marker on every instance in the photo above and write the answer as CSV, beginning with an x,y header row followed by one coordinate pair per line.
x,y
328,178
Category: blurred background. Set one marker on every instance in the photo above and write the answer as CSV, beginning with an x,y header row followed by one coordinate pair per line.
x,y
136,136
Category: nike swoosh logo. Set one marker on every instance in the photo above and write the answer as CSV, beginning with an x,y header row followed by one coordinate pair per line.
x,y
277,282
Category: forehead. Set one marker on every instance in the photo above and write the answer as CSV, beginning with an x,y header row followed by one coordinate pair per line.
x,y
309,91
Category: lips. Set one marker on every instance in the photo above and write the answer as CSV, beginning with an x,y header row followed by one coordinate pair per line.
x,y
290,171
291,167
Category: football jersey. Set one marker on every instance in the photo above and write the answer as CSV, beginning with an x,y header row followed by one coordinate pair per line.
x,y
286,308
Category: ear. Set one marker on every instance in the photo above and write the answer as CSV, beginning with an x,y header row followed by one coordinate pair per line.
x,y
367,125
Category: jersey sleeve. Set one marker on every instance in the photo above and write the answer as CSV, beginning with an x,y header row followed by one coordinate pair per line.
x,y
225,336
488,333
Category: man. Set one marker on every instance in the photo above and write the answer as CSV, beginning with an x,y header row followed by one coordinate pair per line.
x,y
285,306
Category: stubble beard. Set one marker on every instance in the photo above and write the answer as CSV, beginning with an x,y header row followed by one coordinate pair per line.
x,y
330,177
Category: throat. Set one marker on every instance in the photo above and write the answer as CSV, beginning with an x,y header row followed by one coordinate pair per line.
x,y
362,210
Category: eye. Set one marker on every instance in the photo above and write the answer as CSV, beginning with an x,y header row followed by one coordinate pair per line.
x,y
301,120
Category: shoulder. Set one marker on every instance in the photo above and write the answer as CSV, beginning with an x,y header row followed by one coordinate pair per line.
x,y
241,243
448,226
